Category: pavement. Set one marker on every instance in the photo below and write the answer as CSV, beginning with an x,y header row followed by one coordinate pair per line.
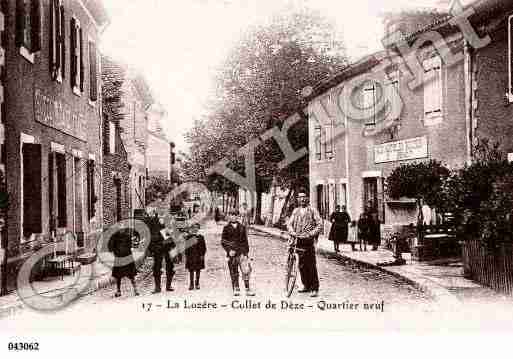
x,y
442,279
91,277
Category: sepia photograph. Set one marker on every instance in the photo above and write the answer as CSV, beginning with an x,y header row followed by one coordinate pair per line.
x,y
244,166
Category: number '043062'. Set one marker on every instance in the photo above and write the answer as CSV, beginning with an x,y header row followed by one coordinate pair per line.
x,y
23,346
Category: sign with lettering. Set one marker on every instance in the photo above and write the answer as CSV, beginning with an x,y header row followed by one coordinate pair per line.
x,y
59,115
409,149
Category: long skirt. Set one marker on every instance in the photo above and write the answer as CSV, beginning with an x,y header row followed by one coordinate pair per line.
x,y
338,234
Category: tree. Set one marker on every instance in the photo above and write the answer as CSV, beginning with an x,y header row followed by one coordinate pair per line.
x,y
423,181
480,195
258,87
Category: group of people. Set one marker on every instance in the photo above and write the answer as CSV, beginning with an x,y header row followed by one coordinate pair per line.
x,y
160,248
304,227
234,241
367,228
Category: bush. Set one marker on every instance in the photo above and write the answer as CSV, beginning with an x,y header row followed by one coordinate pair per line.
x,y
481,196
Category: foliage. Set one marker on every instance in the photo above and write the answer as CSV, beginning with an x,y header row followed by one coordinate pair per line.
x,y
258,86
422,181
157,189
480,195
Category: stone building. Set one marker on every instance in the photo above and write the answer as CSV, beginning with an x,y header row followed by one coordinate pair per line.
x,y
51,118
158,151
131,97
352,153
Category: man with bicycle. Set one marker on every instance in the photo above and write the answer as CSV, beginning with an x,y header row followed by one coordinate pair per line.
x,y
304,226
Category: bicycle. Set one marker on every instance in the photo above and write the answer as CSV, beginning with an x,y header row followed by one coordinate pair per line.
x,y
292,266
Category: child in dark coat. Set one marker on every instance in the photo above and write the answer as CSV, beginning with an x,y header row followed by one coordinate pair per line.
x,y
235,243
120,244
195,250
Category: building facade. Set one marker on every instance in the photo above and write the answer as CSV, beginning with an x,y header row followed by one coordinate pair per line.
x,y
352,153
158,151
52,119
131,97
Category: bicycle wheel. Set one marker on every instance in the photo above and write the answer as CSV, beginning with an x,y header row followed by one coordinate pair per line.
x,y
291,275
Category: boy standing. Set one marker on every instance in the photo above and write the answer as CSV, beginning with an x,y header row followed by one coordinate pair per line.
x,y
235,242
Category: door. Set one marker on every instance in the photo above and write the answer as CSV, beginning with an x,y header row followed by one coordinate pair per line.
x,y
32,196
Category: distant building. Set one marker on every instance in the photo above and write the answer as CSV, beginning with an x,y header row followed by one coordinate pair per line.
x,y
158,150
132,98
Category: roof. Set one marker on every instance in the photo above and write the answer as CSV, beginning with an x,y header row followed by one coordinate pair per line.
x,y
364,64
484,10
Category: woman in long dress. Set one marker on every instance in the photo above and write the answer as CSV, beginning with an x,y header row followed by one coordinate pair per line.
x,y
340,220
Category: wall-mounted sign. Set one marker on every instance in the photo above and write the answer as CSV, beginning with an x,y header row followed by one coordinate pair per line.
x,y
409,149
59,115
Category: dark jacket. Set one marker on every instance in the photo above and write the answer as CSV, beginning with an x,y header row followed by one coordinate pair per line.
x,y
235,238
195,252
369,228
120,244
339,228
157,239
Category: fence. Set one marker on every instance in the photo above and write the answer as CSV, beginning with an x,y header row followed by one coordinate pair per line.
x,y
492,269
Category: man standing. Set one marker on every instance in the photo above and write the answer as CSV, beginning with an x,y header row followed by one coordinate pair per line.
x,y
235,242
304,225
160,248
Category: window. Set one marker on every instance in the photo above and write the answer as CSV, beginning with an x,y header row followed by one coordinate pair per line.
x,y
369,103
320,200
510,57
57,40
433,87
77,58
112,137
328,141
93,72
32,196
318,141
392,90
91,193
28,27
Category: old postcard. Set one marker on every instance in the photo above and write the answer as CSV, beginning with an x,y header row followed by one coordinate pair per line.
x,y
285,166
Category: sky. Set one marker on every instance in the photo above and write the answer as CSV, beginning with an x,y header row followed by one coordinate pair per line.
x,y
177,44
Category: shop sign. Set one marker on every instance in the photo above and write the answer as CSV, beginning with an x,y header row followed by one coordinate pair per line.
x,y
409,149
59,115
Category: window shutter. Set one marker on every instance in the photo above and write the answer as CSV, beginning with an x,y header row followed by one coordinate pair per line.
x,y
53,39
93,77
73,51
90,189
58,37
81,53
510,53
20,23
63,42
62,214
36,15
32,195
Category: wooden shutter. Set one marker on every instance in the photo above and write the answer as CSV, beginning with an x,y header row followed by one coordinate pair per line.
x,y
20,23
93,77
73,51
36,16
58,39
53,39
510,53
51,192
81,54
62,215
90,189
32,195
63,41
